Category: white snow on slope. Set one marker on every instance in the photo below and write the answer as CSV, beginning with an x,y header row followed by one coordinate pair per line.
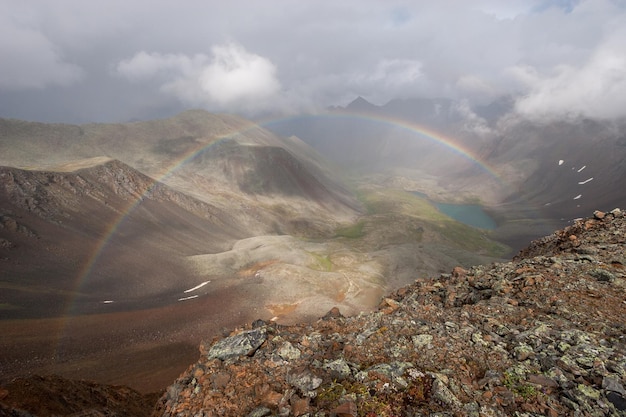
x,y
196,287
584,166
585,181
188,298
578,196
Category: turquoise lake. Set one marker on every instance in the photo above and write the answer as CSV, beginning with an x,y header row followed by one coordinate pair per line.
x,y
470,214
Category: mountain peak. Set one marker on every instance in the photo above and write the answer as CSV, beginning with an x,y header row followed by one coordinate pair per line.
x,y
361,104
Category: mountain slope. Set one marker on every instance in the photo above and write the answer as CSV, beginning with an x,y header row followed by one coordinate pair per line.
x,y
60,234
542,334
214,158
568,168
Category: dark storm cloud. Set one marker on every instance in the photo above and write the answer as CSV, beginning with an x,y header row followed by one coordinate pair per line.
x,y
77,60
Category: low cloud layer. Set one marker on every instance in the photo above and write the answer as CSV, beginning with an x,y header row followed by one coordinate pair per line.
x,y
76,61
594,88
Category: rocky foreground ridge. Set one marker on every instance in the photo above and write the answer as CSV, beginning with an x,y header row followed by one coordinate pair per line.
x,y
543,335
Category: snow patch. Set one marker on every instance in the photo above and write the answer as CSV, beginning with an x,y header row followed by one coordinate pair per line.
x,y
578,196
585,181
108,302
196,287
580,170
188,298
561,162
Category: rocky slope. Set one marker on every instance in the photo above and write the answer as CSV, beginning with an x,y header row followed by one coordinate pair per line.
x,y
541,335
56,396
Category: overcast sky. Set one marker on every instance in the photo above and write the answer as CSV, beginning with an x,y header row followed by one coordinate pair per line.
x,y
117,60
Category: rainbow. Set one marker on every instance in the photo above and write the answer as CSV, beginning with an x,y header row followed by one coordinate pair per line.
x,y
415,129
412,128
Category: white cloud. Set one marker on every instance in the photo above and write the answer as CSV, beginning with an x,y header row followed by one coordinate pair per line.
x,y
231,79
470,85
504,9
396,72
386,80
471,121
596,88
235,75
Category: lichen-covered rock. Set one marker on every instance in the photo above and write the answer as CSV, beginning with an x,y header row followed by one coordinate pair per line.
x,y
306,382
338,368
245,343
602,275
442,394
421,340
288,352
